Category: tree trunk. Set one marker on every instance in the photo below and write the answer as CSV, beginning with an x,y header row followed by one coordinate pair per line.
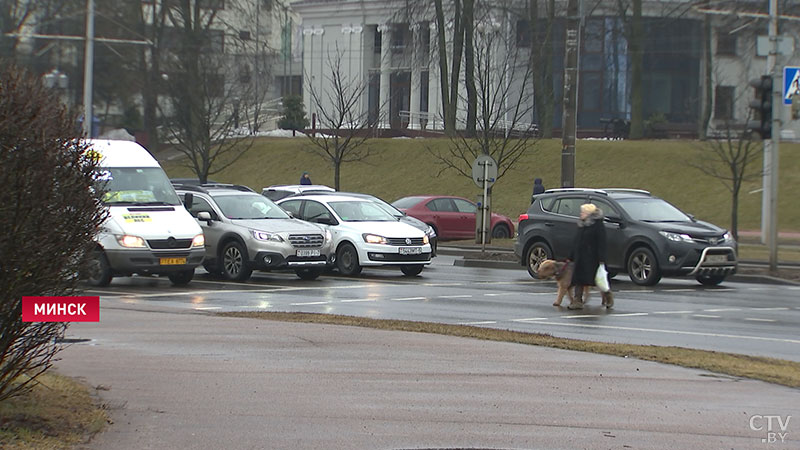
x,y
636,44
541,60
469,67
708,87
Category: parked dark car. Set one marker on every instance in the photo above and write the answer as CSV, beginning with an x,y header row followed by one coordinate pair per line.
x,y
647,237
451,217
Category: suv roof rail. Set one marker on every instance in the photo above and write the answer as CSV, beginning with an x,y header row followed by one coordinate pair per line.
x,y
551,191
205,187
188,187
635,191
604,191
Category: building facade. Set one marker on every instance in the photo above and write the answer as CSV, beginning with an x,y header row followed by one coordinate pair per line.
x,y
691,51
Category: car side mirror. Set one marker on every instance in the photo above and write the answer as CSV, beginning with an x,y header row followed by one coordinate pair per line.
x,y
204,215
289,213
614,219
187,200
325,221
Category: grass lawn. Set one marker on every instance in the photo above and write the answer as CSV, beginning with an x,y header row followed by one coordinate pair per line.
x,y
58,413
401,167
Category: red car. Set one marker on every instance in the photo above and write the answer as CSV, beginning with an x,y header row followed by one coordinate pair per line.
x,y
451,217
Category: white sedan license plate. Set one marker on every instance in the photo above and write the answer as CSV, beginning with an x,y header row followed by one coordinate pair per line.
x,y
716,258
307,253
410,250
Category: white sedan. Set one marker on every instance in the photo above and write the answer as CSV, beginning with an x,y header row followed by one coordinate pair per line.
x,y
363,233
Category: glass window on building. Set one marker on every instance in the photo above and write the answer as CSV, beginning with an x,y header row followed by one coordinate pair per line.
x,y
723,102
726,43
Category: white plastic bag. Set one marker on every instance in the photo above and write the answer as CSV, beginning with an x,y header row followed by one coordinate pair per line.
x,y
601,278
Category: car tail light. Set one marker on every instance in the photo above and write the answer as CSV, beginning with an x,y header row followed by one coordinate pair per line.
x,y
522,217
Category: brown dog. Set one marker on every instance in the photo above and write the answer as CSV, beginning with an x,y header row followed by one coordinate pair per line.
x,y
562,272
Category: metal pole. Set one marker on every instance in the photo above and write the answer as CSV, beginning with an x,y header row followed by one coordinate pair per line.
x,y
777,108
257,71
570,115
484,207
88,69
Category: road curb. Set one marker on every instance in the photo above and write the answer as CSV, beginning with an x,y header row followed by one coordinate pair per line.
x,y
511,265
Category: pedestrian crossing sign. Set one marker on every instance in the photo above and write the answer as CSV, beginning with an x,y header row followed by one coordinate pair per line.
x,y
791,83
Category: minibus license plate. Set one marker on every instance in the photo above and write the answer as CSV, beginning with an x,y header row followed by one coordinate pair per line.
x,y
307,253
172,261
410,250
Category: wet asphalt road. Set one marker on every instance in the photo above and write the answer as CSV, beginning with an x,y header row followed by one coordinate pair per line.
x,y
756,319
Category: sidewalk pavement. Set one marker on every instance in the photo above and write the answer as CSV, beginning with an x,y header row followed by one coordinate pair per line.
x,y
177,380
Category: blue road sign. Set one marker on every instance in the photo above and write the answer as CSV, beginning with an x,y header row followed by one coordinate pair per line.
x,y
791,83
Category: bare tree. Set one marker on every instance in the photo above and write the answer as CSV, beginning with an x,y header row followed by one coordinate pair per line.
x,y
541,62
203,95
504,106
731,156
48,222
344,124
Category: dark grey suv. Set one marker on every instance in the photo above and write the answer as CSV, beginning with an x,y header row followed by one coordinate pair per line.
x,y
647,237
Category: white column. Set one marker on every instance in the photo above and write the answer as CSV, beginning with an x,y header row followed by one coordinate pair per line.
x,y
434,89
386,60
308,69
416,75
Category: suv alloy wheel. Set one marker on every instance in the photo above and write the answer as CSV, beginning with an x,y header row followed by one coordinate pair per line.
x,y
537,253
234,262
643,267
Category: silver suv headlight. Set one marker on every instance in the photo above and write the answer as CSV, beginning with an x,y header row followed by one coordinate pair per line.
x,y
728,237
264,236
430,232
676,237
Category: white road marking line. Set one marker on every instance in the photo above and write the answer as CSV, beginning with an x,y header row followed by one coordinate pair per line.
x,y
759,320
205,308
637,290
707,316
454,296
680,290
357,300
578,317
308,303
254,306
656,330
673,312
499,294
487,322
770,309
722,309
628,314
532,319
407,299
719,290
794,288
114,293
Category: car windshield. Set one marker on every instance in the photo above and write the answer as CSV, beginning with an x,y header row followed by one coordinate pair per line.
x,y
406,202
249,206
136,186
388,208
361,211
652,210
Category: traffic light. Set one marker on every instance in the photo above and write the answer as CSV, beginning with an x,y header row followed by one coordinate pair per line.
x,y
762,107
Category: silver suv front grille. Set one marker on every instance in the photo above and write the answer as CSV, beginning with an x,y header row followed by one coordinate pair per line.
x,y
306,240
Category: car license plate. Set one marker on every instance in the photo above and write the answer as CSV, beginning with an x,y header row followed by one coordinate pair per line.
x,y
716,258
172,261
410,250
307,253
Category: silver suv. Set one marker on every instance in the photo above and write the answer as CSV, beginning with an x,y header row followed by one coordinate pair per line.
x,y
245,231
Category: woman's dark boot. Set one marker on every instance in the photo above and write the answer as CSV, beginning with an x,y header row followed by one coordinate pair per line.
x,y
608,299
577,303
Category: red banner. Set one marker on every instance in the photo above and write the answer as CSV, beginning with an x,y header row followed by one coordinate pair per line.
x,y
60,309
